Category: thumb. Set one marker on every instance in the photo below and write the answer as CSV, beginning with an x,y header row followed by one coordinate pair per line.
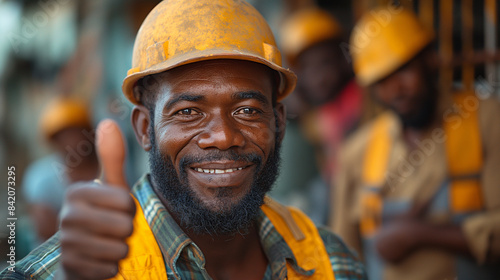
x,y
111,152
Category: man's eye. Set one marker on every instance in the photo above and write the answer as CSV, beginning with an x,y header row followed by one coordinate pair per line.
x,y
247,111
187,112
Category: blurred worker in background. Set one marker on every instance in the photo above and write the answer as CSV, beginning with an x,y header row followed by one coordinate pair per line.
x,y
207,85
66,125
418,193
326,87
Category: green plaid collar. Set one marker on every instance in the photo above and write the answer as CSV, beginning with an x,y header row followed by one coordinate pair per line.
x,y
184,260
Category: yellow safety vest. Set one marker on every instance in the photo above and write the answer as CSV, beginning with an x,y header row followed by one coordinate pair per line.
x,y
464,157
145,260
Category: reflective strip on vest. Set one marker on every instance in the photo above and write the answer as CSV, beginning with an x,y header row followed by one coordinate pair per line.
x,y
374,169
465,156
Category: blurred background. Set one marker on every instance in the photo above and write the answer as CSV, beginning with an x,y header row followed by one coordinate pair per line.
x,y
79,52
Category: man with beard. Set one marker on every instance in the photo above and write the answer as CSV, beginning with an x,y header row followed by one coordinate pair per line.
x,y
418,192
207,85
311,39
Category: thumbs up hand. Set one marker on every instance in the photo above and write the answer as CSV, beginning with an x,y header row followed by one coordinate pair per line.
x,y
97,218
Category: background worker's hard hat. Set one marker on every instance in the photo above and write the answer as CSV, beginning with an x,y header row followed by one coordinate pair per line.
x,y
62,113
306,28
179,32
385,39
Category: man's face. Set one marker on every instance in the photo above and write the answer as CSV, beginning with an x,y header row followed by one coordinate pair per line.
x,y
322,72
410,93
214,142
69,139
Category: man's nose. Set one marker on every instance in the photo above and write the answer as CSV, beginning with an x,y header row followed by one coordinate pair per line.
x,y
222,133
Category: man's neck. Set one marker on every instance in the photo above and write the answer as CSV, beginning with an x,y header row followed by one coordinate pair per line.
x,y
413,135
232,256
228,256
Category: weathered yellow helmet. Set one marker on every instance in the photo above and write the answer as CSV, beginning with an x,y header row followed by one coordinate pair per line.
x,y
62,113
385,39
179,32
306,28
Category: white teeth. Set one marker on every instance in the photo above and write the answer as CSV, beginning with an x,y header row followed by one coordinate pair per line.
x,y
218,171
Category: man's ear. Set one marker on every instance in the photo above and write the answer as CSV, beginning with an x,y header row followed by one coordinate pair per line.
x,y
141,124
281,115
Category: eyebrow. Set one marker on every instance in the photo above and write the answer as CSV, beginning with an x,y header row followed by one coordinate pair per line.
x,y
251,94
183,97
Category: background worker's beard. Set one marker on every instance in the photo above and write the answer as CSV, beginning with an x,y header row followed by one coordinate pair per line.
x,y
189,209
425,115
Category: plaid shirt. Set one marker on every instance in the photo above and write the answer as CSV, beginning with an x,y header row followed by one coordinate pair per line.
x,y
183,259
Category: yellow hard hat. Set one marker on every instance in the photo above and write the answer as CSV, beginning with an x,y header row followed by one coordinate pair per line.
x,y
306,28
385,39
179,32
62,113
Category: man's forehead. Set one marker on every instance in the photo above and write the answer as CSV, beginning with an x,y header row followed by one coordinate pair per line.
x,y
239,73
218,72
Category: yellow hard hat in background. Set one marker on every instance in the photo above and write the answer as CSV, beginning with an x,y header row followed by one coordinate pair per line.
x,y
306,28
384,40
62,113
179,32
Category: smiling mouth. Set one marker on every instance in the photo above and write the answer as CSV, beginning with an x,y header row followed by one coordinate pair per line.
x,y
218,171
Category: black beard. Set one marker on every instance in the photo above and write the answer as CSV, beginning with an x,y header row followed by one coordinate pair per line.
x,y
423,118
191,212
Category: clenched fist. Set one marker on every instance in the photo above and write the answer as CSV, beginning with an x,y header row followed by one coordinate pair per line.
x,y
97,218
